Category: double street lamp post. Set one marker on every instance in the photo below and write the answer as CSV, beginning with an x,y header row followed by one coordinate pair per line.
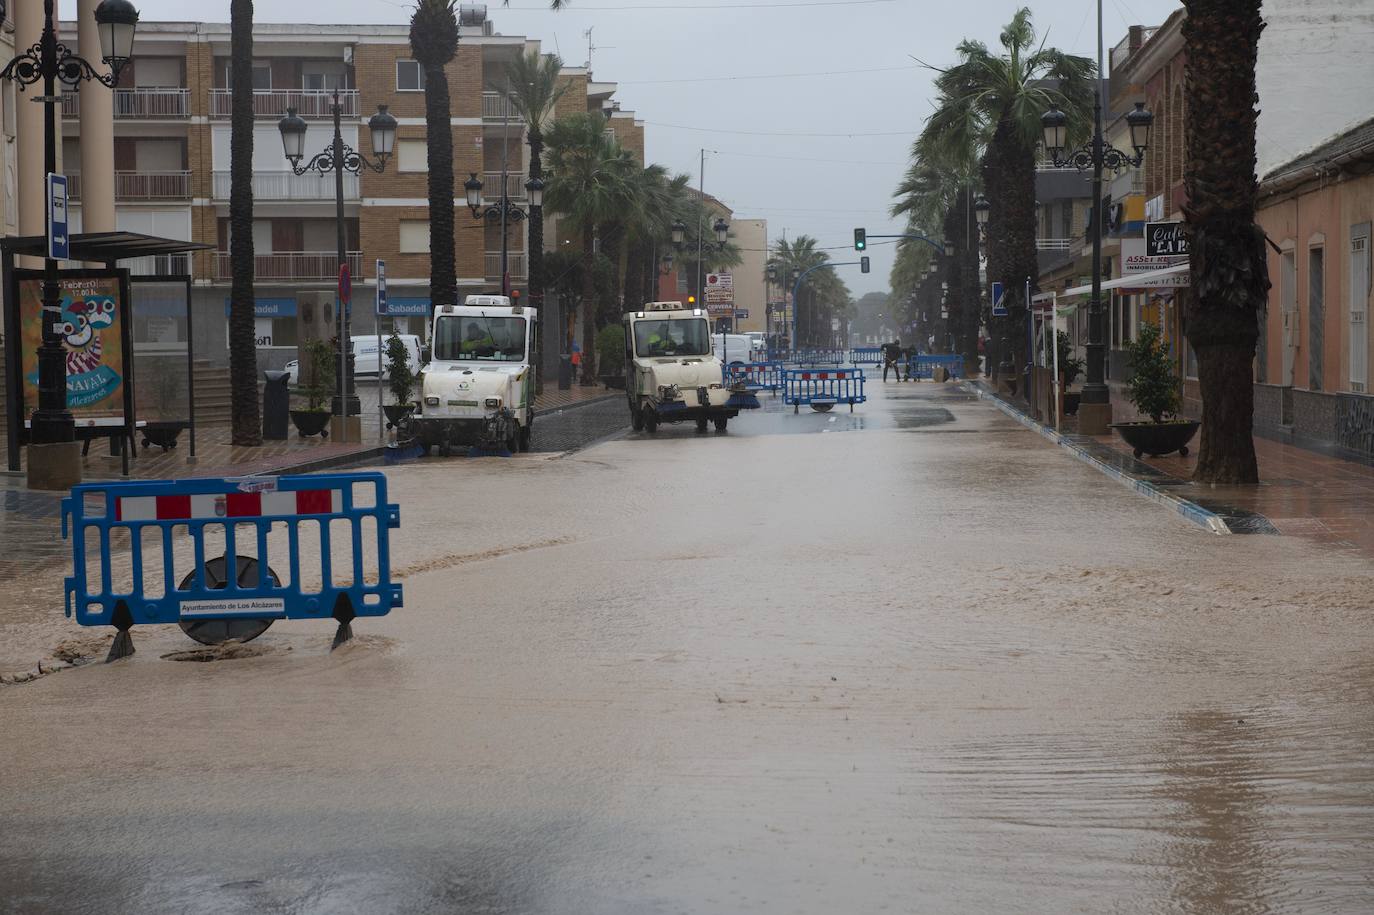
x,y
53,62
338,158
1096,154
502,213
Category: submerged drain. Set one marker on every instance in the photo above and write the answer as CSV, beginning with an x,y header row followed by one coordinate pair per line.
x,y
227,651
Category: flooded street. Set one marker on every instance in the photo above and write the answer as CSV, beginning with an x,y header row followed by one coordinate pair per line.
x,y
913,659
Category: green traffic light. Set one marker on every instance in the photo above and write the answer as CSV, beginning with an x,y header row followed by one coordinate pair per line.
x,y
860,239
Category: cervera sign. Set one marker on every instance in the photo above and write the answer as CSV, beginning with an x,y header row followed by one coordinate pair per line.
x,y
1165,239
720,289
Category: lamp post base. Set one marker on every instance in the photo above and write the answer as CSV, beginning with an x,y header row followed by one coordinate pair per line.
x,y
1094,418
346,429
336,405
54,466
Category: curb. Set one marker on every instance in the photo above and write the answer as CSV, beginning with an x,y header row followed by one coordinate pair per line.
x,y
327,463
1195,513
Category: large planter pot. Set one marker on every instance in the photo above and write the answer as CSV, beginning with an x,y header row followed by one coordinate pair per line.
x,y
1071,401
311,422
395,412
1156,439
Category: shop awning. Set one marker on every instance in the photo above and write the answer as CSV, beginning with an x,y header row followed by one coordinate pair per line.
x,y
1166,278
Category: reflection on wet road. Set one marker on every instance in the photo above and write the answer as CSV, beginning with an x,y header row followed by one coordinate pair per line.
x,y
930,664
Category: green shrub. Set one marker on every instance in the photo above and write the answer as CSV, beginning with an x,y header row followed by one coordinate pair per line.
x,y
400,376
1153,388
320,356
1070,365
610,350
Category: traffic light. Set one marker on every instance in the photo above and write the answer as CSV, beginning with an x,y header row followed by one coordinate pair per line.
x,y
863,264
860,239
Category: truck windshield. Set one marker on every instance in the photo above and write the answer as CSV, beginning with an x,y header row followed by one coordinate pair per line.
x,y
478,338
670,337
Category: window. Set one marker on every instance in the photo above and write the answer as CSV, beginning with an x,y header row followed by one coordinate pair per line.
x,y
679,337
409,76
262,75
1066,219
322,80
463,337
412,156
1359,308
414,236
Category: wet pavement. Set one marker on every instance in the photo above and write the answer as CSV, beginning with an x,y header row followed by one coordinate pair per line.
x,y
908,659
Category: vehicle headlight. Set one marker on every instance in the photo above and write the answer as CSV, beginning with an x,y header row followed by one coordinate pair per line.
x,y
431,401
493,403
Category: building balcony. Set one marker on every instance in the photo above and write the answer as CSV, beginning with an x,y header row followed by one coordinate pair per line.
x,y
310,266
159,265
268,186
272,103
1129,182
168,185
497,108
515,263
515,186
138,103
1054,244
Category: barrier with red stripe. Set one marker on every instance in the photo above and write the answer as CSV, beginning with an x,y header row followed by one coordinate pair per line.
x,y
823,388
301,547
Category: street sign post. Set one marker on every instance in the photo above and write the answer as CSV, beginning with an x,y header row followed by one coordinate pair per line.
x,y
999,301
345,344
59,240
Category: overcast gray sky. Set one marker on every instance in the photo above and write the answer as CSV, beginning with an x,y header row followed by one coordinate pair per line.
x,y
685,64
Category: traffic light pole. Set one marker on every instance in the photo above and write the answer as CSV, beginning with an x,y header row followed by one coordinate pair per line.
x,y
934,244
796,291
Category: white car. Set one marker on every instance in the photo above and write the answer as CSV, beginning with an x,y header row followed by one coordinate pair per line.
x,y
365,360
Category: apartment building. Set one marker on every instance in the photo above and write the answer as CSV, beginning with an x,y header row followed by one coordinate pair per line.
x,y
171,170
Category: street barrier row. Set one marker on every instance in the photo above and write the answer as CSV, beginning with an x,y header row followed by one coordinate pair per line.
x,y
210,602
866,355
822,389
757,376
923,365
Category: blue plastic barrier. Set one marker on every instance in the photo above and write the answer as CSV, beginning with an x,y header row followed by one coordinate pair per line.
x,y
922,365
866,355
823,387
821,357
96,513
757,376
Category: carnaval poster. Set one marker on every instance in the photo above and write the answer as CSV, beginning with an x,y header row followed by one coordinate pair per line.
x,y
92,336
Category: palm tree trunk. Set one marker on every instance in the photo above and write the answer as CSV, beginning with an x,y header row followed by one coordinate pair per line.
x,y
443,276
1009,175
1230,277
246,421
536,256
588,305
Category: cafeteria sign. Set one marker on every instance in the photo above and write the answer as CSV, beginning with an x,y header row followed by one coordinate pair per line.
x,y
1165,239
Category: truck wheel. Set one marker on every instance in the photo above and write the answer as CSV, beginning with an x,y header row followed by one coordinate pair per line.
x,y
721,423
636,420
218,631
650,421
701,424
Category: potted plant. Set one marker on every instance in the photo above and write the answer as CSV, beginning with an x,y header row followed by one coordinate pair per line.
x,y
400,381
1154,390
610,356
314,419
1070,366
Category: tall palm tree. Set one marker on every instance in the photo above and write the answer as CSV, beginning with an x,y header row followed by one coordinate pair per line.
x,y
1230,277
534,87
434,42
1000,97
245,420
792,259
588,182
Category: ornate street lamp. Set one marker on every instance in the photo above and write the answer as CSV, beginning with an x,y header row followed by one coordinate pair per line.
x,y
722,229
667,267
679,232
52,62
338,158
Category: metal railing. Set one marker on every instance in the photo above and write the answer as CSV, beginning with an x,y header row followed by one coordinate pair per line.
x,y
498,107
292,265
515,263
1054,244
152,102
272,103
159,265
491,186
71,105
290,186
169,185
130,185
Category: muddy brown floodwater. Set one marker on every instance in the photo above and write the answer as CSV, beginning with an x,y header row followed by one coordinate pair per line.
x,y
913,660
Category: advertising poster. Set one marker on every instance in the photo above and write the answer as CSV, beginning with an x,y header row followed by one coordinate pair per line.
x,y
93,337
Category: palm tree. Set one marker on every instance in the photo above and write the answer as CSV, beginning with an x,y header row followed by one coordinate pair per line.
x,y
1230,277
434,42
999,98
792,259
534,89
245,420
588,183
